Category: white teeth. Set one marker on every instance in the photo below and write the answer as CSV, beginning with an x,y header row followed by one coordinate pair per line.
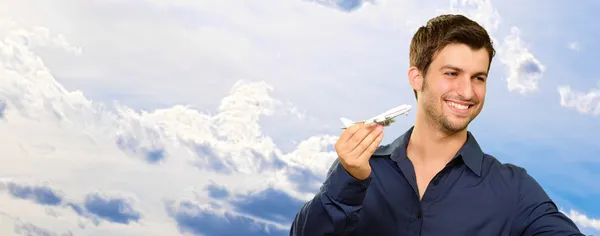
x,y
458,106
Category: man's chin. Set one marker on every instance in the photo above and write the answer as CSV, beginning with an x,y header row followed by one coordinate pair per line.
x,y
456,124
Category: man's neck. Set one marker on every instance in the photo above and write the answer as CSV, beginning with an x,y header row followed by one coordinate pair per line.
x,y
428,144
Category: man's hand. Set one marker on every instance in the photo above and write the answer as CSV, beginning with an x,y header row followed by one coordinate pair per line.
x,y
355,147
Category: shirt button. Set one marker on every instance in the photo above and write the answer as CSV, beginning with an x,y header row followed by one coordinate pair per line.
x,y
419,214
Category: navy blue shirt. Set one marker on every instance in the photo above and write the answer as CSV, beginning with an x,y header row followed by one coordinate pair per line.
x,y
474,194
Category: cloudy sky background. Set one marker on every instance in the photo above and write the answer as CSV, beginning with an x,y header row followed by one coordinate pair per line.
x,y
210,117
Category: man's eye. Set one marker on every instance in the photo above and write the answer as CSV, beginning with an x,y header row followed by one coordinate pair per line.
x,y
451,73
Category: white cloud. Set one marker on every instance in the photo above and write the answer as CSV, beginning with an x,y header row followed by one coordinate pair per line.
x,y
583,102
524,70
89,155
582,220
481,11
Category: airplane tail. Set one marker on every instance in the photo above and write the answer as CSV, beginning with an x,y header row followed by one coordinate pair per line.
x,y
347,122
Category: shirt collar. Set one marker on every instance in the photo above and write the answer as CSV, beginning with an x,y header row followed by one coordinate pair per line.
x,y
470,152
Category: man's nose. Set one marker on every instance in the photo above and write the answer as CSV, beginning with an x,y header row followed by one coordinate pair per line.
x,y
465,88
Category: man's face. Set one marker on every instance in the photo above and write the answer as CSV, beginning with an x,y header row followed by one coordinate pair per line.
x,y
453,91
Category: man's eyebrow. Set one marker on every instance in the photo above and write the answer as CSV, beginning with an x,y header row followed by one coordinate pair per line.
x,y
461,70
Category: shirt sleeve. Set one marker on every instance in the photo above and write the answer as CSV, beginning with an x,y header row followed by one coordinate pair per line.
x,y
537,214
336,208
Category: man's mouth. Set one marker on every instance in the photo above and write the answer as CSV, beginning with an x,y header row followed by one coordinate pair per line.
x,y
460,107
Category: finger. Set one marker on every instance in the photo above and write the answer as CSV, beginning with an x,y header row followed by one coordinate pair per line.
x,y
366,141
342,143
366,155
348,132
359,137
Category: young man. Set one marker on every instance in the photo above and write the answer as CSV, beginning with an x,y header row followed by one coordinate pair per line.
x,y
434,179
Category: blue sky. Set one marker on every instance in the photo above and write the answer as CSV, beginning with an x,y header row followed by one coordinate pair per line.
x,y
155,117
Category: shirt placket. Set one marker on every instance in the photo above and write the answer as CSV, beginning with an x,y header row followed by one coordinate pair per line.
x,y
435,187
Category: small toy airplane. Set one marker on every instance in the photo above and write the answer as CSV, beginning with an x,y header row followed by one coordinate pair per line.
x,y
385,119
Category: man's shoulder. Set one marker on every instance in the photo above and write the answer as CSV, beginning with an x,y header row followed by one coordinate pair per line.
x,y
505,170
489,159
516,178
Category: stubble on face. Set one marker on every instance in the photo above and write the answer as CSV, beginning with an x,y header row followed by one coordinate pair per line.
x,y
433,111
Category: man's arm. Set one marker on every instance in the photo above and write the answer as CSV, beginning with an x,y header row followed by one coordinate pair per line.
x,y
336,208
537,214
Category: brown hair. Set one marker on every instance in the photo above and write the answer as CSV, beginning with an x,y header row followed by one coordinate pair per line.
x,y
443,30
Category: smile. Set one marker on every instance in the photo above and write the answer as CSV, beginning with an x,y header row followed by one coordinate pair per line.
x,y
459,107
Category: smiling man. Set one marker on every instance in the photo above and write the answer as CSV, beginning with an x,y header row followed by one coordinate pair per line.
x,y
434,179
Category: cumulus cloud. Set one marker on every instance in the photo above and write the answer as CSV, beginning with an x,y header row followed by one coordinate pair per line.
x,y
583,220
583,102
155,156
482,11
524,70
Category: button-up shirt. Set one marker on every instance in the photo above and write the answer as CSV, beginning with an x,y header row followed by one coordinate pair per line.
x,y
474,194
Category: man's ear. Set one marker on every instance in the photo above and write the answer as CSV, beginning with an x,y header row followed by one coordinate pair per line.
x,y
415,79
